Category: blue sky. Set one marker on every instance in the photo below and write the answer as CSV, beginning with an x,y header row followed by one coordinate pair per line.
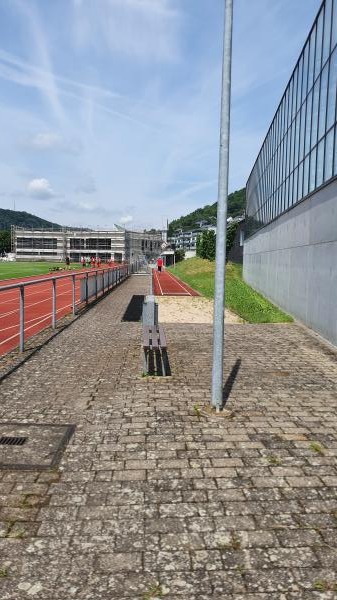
x,y
109,109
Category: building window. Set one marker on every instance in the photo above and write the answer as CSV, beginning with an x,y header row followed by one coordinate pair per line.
x,y
36,243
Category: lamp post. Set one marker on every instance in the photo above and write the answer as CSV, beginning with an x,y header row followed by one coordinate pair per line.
x,y
220,259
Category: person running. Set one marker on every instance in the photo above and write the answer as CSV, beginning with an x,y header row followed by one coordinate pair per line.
x,y
159,264
99,261
83,262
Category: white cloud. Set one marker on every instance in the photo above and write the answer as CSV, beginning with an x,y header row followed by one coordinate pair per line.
x,y
40,189
126,219
54,141
44,141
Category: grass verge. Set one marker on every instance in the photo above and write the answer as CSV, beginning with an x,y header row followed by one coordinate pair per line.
x,y
14,270
240,297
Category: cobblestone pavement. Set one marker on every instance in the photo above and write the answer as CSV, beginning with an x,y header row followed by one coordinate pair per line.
x,y
153,499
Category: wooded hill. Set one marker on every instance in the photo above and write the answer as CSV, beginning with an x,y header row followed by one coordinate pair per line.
x,y
236,207
23,219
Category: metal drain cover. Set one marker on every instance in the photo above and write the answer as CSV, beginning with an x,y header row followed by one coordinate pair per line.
x,y
27,446
8,440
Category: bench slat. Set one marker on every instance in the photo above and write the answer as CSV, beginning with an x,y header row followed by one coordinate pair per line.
x,y
154,337
146,337
162,337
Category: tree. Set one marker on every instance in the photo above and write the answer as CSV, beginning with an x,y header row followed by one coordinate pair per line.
x,y
205,247
179,254
5,241
236,207
199,245
211,244
231,232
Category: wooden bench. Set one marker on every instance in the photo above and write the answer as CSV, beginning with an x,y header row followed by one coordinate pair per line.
x,y
154,346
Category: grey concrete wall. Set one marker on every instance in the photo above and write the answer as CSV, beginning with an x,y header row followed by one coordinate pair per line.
x,y
293,261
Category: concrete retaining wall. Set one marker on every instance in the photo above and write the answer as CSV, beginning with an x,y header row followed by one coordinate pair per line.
x,y
293,261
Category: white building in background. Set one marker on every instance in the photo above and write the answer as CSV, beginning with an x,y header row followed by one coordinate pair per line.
x,y
116,244
187,240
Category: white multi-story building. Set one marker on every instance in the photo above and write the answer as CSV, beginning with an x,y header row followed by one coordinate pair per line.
x,y
187,240
116,244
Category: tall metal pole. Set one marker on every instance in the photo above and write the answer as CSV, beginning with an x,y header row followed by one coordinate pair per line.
x,y
220,260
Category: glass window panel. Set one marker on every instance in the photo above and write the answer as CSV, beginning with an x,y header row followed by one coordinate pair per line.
x,y
335,154
282,119
314,119
327,30
308,124
277,161
311,59
295,78
312,176
322,102
281,163
292,149
294,198
332,90
334,25
302,132
300,182
328,155
320,163
297,140
305,70
288,152
319,41
290,102
306,176
299,84
289,193
286,204
285,147
282,198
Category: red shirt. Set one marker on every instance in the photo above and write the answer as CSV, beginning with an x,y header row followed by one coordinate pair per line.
x,y
159,262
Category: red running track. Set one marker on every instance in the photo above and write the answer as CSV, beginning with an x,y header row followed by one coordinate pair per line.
x,y
38,307
165,284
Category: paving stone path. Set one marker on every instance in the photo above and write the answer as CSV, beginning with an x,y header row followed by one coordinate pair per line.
x,y
152,499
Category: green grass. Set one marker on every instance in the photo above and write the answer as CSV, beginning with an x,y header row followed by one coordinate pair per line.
x,y
13,270
240,297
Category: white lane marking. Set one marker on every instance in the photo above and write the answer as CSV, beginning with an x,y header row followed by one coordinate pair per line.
x,y
35,325
161,291
176,281
28,294
27,305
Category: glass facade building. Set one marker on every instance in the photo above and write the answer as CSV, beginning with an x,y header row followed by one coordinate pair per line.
x,y
299,153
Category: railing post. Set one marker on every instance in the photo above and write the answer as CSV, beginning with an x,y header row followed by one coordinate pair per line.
x,y
53,307
73,294
22,318
96,275
103,281
86,288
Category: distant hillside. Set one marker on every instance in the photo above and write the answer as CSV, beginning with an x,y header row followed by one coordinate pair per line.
x,y
23,219
236,207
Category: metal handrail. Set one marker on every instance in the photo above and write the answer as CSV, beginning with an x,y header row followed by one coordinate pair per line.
x,y
53,279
